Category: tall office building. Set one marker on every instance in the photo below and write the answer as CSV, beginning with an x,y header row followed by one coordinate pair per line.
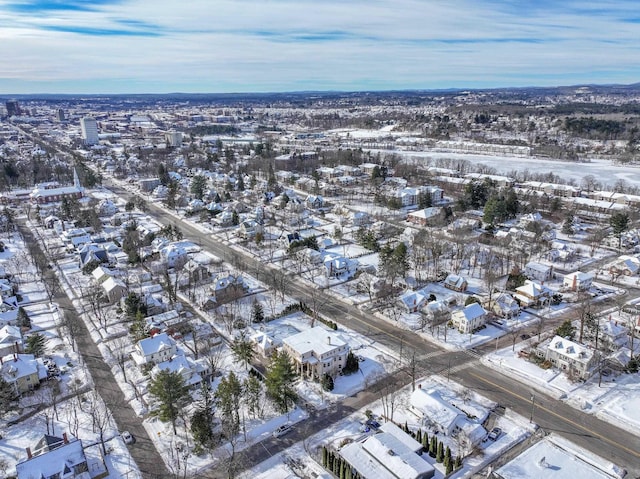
x,y
61,116
89,128
13,108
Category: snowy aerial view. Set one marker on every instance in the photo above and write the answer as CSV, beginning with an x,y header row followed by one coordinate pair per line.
x,y
319,240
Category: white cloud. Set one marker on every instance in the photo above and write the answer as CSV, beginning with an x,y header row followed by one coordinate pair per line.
x,y
240,45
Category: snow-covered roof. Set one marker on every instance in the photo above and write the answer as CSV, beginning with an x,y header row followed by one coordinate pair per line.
x,y
317,340
470,312
434,407
579,276
570,349
403,437
155,344
60,460
384,456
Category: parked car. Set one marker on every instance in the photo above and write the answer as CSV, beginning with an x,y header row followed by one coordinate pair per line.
x,y
495,433
127,437
282,430
374,424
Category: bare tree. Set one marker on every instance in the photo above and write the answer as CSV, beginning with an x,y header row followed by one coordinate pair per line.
x,y
100,418
389,400
120,350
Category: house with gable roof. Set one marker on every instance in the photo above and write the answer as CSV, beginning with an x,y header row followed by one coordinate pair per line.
x,y
470,318
455,283
154,350
22,371
413,301
55,458
574,358
10,340
578,281
532,294
225,288
390,454
538,271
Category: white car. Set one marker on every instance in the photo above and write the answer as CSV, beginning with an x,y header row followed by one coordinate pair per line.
x,y
282,430
126,437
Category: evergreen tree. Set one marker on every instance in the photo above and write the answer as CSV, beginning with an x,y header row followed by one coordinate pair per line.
x,y
425,441
279,381
439,453
228,397
449,467
243,350
566,330
567,226
197,186
257,312
327,382
458,463
325,456
352,364
36,344
252,392
23,318
433,446
169,389
202,419
7,395
619,221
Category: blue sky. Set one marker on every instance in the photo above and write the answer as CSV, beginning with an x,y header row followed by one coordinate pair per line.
x,y
161,46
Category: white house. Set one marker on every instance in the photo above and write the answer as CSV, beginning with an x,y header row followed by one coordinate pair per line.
x,y
578,281
538,271
470,318
55,457
413,301
316,352
114,289
22,371
434,411
10,340
505,306
192,372
532,293
574,358
173,255
455,283
154,350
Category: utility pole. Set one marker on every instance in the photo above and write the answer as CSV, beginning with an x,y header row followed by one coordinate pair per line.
x,y
533,405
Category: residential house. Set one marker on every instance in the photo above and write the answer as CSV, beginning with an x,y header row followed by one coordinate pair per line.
x,y
22,371
625,265
538,271
314,202
249,228
101,274
470,318
196,272
360,218
613,334
114,289
425,217
335,266
10,340
443,417
91,253
532,294
174,255
55,458
153,350
578,281
455,283
413,301
574,358
505,306
316,352
225,288
192,372
390,454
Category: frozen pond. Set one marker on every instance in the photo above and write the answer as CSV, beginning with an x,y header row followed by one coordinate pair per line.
x,y
604,170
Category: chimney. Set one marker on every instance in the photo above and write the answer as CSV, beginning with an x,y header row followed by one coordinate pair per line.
x,y
574,286
65,438
328,339
29,455
15,358
16,347
419,386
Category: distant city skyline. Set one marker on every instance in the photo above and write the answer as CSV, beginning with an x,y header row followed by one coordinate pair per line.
x,y
221,46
